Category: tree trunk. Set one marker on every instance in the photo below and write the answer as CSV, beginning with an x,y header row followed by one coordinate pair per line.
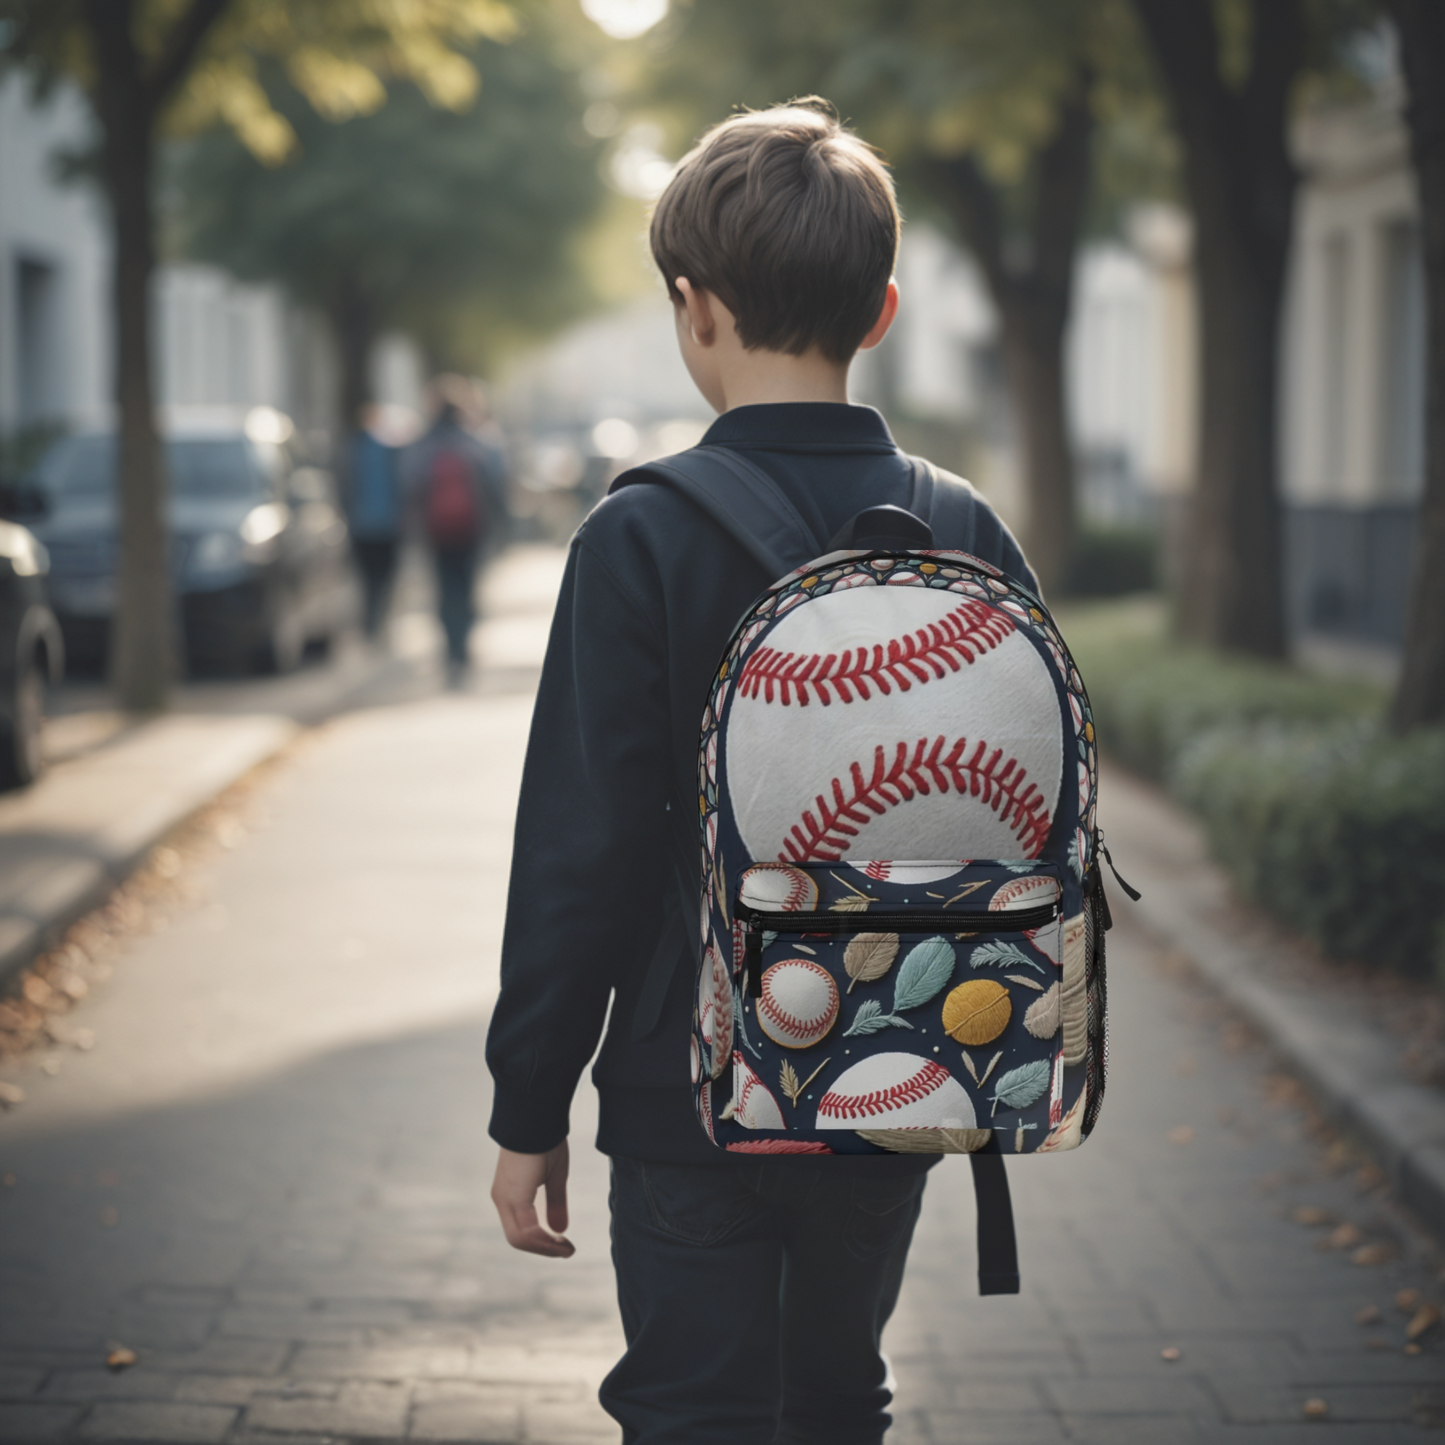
x,y
142,645
1033,297
353,329
1233,582
1241,185
1033,354
1420,697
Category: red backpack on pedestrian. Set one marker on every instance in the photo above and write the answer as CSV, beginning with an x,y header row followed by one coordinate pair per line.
x,y
454,516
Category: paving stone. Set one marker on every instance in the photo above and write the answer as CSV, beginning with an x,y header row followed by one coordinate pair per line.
x,y
19,1381
31,1424
477,1413
366,1411
157,1423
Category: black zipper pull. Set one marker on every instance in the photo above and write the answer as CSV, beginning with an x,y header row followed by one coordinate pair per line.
x,y
1133,893
753,956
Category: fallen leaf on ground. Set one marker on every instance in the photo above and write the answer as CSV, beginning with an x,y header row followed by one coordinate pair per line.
x,y
1413,1349
1369,1177
51,1065
1372,1254
8,1181
110,1216
120,1357
1183,1134
36,990
1342,1236
1408,1301
1316,1409
1370,1315
1171,1353
11,1094
1310,1214
1423,1320
74,986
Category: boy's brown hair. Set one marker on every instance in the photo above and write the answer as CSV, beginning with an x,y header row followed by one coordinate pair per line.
x,y
790,220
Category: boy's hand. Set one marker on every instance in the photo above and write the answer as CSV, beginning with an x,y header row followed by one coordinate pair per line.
x,y
514,1192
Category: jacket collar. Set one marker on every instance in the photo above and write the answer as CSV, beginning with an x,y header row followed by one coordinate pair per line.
x,y
814,426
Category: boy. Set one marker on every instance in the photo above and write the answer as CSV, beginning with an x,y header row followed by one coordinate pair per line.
x,y
753,1291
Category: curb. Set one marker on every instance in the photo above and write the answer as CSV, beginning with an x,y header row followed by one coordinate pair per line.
x,y
1352,1068
71,839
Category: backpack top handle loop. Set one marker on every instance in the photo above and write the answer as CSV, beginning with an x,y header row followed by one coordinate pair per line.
x,y
884,528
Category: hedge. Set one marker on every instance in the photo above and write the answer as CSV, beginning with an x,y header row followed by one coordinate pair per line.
x,y
1321,815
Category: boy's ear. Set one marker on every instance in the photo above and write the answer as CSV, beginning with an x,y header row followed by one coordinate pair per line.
x,y
886,314
698,305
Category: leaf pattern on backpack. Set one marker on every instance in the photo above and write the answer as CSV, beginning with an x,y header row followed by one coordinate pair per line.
x,y
1020,1087
869,956
1001,955
924,972
870,1019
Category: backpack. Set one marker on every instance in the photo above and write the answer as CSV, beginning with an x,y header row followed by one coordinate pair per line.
x,y
453,515
901,923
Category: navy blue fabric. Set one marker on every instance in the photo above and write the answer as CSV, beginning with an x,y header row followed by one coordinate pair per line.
x,y
651,593
754,1301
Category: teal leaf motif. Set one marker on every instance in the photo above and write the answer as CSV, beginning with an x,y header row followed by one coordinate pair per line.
x,y
1001,955
923,973
1021,867
1022,1086
870,1019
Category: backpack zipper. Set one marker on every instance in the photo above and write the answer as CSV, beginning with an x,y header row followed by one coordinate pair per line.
x,y
755,923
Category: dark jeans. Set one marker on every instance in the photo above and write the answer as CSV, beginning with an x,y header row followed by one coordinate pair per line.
x,y
376,561
753,1301
456,599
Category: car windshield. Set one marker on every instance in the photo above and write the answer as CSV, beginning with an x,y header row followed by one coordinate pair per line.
x,y
84,466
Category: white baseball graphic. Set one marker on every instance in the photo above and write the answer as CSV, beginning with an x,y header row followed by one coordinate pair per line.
x,y
715,1009
799,1003
777,888
925,872
1034,890
754,1106
896,1091
886,722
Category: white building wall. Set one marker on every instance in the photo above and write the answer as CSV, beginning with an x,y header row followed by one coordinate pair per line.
x,y
1354,342
54,365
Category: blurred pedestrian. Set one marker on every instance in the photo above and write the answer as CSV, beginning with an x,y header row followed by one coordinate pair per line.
x,y
455,485
372,481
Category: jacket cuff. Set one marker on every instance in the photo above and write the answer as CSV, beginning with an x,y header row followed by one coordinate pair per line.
x,y
526,1121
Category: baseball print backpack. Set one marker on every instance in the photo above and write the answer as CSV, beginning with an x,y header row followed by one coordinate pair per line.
x,y
901,928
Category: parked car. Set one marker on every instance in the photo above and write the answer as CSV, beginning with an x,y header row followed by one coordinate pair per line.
x,y
258,542
31,654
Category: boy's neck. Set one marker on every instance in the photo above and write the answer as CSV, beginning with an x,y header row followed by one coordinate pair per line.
x,y
752,378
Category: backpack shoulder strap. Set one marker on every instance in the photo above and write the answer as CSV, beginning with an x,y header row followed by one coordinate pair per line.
x,y
741,498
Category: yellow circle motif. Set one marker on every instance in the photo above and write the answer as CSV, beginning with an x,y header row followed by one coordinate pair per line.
x,y
928,568
1089,731
977,1011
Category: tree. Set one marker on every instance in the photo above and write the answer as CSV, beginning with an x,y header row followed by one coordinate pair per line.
x,y
145,63
1420,697
1241,186
456,226
989,115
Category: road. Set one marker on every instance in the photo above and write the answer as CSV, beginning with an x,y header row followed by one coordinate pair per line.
x,y
268,1177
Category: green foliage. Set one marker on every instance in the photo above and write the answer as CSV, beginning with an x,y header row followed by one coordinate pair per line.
x,y
1321,815
1338,828
457,226
1112,562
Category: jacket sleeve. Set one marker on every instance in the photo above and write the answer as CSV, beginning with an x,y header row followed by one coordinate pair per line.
x,y
590,848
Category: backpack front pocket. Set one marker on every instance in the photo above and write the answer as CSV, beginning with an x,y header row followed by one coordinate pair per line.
x,y
892,1000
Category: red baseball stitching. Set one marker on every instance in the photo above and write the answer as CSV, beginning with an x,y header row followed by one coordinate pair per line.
x,y
920,1086
966,633
784,1019
824,831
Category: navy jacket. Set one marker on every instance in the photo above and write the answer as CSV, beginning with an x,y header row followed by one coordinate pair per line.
x,y
652,592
